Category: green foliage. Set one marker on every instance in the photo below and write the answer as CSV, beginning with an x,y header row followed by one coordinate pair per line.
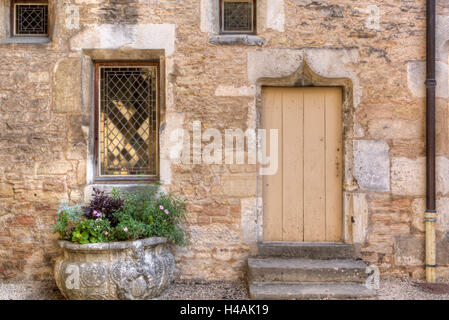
x,y
148,213
142,214
91,231
129,228
68,217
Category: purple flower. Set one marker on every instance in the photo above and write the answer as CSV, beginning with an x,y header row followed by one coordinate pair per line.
x,y
95,213
161,207
166,211
125,229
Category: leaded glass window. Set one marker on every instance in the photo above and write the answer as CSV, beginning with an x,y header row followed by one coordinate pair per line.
x,y
128,121
30,19
237,16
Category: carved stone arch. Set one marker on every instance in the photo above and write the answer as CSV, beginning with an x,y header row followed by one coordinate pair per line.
x,y
304,76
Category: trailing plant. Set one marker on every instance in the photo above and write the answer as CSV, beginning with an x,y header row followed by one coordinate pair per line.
x,y
122,216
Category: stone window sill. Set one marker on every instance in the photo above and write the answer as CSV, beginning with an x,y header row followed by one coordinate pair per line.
x,y
25,40
238,39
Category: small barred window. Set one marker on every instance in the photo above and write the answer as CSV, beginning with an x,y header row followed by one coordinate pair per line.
x,y
30,19
127,127
238,16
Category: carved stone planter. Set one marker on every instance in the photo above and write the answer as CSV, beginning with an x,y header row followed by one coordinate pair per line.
x,y
128,270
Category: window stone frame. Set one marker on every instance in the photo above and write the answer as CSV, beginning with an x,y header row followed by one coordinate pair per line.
x,y
128,178
7,28
12,24
221,19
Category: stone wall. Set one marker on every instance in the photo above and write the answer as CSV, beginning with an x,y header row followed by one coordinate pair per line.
x,y
375,49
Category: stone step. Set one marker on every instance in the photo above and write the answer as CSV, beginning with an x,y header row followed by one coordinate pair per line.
x,y
305,270
311,291
307,250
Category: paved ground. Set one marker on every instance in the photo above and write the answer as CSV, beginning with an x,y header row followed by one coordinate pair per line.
x,y
29,290
219,290
406,289
392,289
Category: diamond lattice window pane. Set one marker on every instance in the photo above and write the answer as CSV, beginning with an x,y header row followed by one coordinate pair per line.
x,y
128,121
31,19
238,16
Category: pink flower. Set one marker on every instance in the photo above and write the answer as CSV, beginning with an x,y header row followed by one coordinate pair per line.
x,y
125,229
95,213
106,233
161,207
60,212
166,211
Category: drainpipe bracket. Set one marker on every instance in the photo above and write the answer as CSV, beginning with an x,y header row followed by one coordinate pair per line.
x,y
430,216
431,83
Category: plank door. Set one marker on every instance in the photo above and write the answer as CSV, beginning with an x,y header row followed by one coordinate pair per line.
x,y
303,200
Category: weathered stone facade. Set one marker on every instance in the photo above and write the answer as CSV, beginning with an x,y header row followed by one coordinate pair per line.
x,y
375,50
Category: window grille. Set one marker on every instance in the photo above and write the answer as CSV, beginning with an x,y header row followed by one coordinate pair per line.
x,y
128,121
30,19
237,16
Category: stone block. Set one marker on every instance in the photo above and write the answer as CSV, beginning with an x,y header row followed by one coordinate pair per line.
x,y
250,210
216,210
409,250
416,76
360,214
372,165
275,63
275,15
238,40
209,236
67,86
443,249
442,224
3,9
6,190
231,91
442,176
408,176
396,129
141,36
53,185
54,168
239,185
25,220
418,208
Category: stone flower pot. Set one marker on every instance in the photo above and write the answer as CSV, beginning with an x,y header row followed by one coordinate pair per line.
x,y
128,270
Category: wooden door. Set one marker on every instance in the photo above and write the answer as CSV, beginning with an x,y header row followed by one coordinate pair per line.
x,y
303,200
